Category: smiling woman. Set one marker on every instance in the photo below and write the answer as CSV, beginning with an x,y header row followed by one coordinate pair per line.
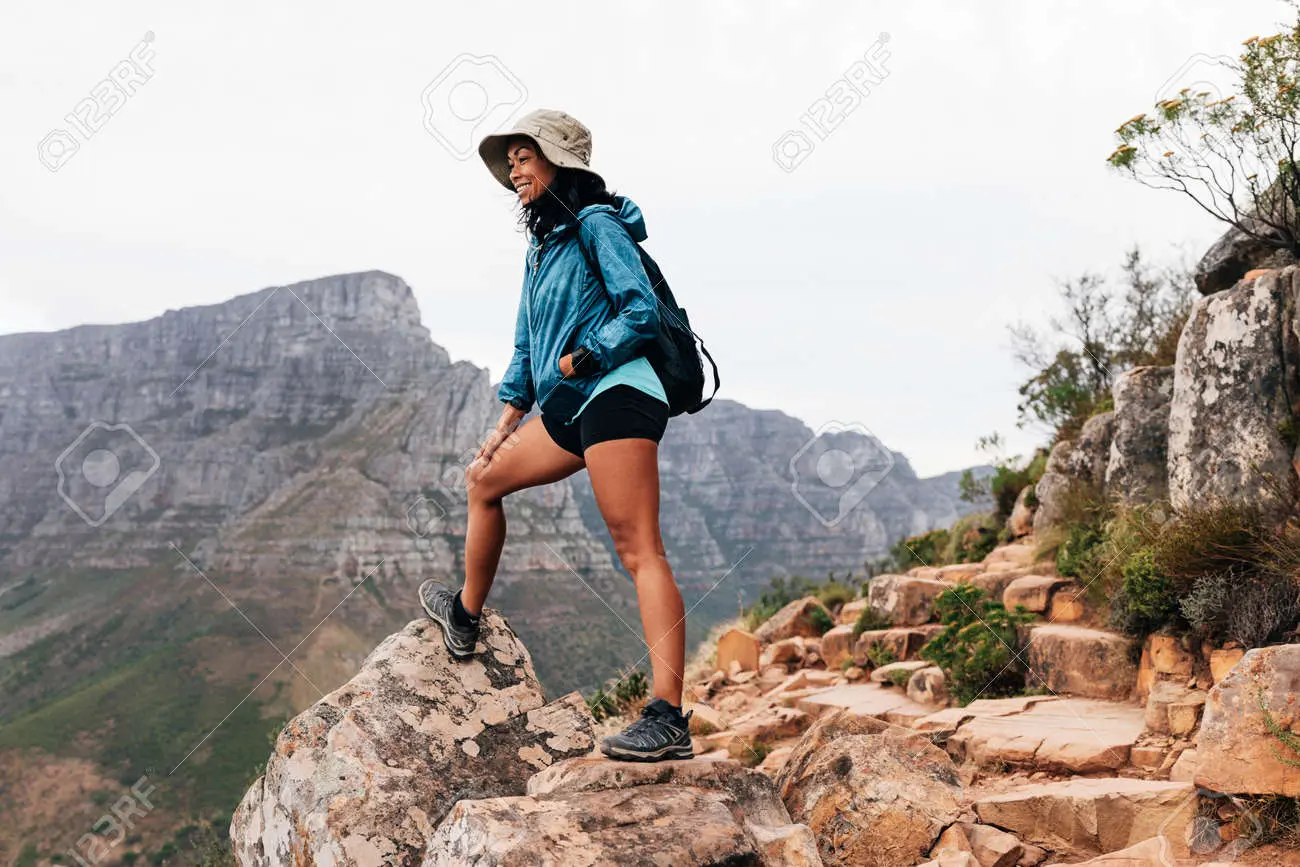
x,y
581,334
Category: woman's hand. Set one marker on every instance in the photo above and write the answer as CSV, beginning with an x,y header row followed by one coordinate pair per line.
x,y
510,418
566,365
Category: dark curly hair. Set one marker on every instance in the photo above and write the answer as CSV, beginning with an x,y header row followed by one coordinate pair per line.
x,y
570,192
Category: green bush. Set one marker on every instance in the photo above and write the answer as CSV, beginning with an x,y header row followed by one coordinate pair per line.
x,y
781,591
834,594
1078,556
880,654
868,621
979,647
926,549
610,700
900,678
821,620
1146,601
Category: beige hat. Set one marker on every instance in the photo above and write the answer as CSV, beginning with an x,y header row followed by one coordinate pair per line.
x,y
560,137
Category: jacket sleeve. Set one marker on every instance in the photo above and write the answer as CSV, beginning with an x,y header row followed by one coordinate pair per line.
x,y
636,320
517,384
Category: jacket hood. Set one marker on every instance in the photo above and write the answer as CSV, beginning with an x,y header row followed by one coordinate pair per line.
x,y
624,210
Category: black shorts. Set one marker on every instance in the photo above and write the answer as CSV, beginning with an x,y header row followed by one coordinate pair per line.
x,y
616,413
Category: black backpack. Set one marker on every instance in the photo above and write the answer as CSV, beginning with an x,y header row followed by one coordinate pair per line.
x,y
672,354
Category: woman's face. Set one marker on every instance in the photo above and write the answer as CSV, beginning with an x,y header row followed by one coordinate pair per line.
x,y
530,172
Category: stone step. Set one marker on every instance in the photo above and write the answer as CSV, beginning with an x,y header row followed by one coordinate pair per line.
x,y
1021,554
1092,816
1075,735
1079,661
866,699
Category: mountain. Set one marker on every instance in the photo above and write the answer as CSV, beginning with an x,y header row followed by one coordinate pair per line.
x,y
209,518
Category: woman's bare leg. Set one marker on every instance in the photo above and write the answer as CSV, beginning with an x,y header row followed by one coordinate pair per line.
x,y
528,458
625,479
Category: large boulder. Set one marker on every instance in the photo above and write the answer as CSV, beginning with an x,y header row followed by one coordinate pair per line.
x,y
739,646
365,775
872,792
1074,660
1092,816
1074,463
903,599
1237,751
797,618
1235,253
1231,422
591,811
1137,470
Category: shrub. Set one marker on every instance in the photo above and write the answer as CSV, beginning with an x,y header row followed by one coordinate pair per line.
x,y
979,647
1264,607
821,620
1205,608
781,591
880,654
613,699
971,538
1078,555
835,593
868,621
1145,602
900,678
926,549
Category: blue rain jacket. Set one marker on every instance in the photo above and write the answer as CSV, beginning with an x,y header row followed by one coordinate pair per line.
x,y
564,306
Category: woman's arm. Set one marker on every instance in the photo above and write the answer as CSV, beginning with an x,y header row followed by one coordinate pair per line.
x,y
628,285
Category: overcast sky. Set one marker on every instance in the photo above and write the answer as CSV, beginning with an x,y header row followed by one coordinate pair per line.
x,y
873,283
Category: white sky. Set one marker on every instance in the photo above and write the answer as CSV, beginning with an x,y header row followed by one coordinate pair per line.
x,y
873,284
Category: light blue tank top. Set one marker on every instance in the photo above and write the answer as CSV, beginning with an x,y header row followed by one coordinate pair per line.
x,y
637,373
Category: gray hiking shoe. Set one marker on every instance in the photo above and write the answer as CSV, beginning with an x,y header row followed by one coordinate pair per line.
x,y
438,603
661,733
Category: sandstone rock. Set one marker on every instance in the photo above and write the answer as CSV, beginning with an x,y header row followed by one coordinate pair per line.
x,y
767,724
1068,605
837,646
1146,756
1172,708
1081,461
1149,853
1168,656
738,646
928,686
771,675
1235,751
788,650
1223,661
872,793
703,717
1184,769
366,773
1235,368
904,600
994,582
1082,662
1019,555
774,760
794,619
1034,592
1021,521
993,847
958,573
1091,816
853,673
885,673
1137,470
950,858
902,643
1074,735
851,611
595,812
868,699
953,839
1032,855
924,572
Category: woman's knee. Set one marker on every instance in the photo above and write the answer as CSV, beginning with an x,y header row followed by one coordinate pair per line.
x,y
480,484
635,551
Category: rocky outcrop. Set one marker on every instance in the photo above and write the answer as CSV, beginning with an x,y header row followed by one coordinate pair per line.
x,y
1237,750
1081,461
365,775
1236,380
1092,816
904,600
873,793
1234,254
1137,470
1079,661
795,620
607,814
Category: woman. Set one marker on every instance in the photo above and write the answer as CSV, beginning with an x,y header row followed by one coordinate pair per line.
x,y
579,344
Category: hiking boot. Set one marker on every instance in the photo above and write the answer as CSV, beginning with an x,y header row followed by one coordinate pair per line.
x,y
439,603
661,733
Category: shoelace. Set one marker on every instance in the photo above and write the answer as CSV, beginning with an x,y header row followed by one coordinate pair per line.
x,y
643,722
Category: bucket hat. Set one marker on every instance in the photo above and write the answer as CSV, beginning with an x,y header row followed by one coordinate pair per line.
x,y
559,136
